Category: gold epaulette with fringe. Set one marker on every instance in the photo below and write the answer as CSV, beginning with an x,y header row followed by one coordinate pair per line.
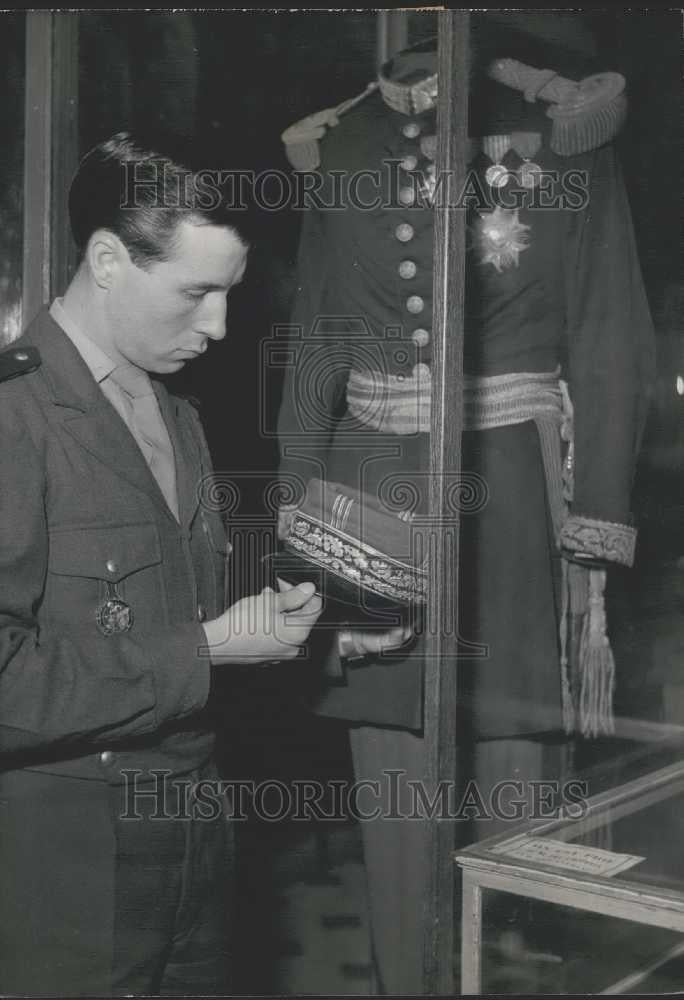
x,y
585,115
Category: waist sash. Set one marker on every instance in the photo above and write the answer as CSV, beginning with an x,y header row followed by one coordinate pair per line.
x,y
393,404
399,405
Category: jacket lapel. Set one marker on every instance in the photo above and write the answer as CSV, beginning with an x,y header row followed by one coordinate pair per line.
x,y
85,413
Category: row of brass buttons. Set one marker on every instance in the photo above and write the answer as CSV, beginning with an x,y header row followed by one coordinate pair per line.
x,y
405,232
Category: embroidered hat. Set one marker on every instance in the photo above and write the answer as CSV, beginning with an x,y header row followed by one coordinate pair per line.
x,y
357,551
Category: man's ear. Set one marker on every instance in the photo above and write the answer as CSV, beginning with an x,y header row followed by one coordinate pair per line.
x,y
105,255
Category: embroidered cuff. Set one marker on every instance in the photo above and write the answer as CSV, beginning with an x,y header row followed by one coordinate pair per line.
x,y
601,539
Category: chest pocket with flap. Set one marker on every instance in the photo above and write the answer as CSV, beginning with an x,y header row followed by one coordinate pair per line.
x,y
84,564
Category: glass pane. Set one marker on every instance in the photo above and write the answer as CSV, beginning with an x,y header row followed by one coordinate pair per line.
x,y
644,607
644,604
537,947
532,947
422,24
12,58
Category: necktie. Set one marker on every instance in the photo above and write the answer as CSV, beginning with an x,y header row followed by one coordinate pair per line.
x,y
148,428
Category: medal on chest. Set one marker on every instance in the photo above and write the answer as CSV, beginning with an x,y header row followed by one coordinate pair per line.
x,y
500,237
114,617
525,145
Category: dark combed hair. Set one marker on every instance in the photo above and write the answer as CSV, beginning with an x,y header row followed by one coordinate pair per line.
x,y
142,192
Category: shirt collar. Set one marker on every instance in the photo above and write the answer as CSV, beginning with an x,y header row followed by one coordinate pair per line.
x,y
99,363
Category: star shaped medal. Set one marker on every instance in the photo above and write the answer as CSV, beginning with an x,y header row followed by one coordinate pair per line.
x,y
500,238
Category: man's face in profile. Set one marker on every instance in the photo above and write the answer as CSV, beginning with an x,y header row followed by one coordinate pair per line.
x,y
165,314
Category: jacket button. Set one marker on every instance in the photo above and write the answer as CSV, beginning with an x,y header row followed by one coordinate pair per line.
x,y
112,566
404,232
421,371
420,337
407,195
106,757
201,613
415,304
409,163
408,269
411,130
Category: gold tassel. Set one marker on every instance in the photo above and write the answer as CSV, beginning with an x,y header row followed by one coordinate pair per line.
x,y
597,665
573,614
566,696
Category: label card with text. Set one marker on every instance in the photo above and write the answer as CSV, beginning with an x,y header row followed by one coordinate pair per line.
x,y
559,854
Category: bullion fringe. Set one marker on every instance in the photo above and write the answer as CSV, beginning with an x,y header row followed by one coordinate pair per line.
x,y
566,694
597,664
588,671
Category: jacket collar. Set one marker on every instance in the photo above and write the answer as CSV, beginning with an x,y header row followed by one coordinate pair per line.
x,y
97,426
408,82
67,376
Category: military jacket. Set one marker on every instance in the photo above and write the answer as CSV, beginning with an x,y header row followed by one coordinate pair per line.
x,y
570,299
82,519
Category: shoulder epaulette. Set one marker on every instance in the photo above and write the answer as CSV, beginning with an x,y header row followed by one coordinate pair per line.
x,y
18,361
585,115
301,139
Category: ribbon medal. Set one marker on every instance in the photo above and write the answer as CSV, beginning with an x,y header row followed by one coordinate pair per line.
x,y
114,617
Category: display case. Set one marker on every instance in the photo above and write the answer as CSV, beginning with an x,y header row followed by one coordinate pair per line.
x,y
589,898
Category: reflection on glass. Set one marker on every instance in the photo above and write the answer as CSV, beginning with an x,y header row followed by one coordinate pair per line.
x,y
533,947
136,71
12,35
422,24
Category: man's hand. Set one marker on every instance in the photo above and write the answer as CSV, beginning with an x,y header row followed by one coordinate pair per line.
x,y
353,644
266,626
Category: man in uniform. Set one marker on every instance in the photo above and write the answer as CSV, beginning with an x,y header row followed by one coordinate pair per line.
x,y
112,610
556,319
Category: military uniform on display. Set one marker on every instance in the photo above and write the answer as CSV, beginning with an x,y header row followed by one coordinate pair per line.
x,y
558,362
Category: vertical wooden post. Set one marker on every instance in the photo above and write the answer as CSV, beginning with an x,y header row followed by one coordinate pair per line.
x,y
445,456
51,153
37,163
471,943
65,147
